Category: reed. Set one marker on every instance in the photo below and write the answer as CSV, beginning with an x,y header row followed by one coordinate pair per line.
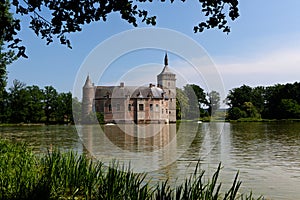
x,y
67,175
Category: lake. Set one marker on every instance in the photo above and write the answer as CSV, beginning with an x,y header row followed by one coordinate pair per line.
x,y
267,155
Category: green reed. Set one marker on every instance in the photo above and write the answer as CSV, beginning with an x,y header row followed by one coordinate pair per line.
x,y
67,175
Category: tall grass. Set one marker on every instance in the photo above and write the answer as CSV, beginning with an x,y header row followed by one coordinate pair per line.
x,y
67,175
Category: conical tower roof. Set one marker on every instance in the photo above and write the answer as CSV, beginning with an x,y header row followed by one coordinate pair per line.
x,y
88,82
166,69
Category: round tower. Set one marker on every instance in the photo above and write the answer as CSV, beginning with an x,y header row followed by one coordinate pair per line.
x,y
167,81
88,94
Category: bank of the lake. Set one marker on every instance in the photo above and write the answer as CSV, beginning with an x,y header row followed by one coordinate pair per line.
x,y
58,175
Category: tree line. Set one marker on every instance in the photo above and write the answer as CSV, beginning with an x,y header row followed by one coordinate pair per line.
x,y
31,104
281,101
192,102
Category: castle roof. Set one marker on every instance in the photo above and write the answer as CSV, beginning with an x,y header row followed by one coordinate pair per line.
x,y
166,69
129,91
88,82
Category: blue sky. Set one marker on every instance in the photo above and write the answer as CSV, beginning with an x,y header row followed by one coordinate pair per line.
x,y
263,47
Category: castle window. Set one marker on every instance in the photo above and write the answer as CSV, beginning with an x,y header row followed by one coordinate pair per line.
x,y
151,107
166,111
141,107
118,107
109,107
129,107
157,108
162,111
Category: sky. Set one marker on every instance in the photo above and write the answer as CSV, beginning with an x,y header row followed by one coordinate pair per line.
x,y
262,49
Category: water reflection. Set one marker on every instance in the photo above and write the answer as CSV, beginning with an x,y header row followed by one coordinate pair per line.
x,y
266,154
42,138
146,147
270,153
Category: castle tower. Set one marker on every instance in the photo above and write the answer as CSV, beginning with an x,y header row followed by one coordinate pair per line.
x,y
88,94
167,81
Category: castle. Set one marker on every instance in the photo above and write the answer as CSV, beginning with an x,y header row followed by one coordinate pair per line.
x,y
133,104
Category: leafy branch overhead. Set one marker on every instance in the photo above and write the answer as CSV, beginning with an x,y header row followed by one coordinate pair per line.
x,y
56,18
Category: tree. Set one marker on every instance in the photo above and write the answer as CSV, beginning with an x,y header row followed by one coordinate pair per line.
x,y
50,100
196,97
6,56
76,109
289,108
200,94
18,99
69,16
235,113
213,102
251,110
182,105
63,112
35,104
238,96
258,98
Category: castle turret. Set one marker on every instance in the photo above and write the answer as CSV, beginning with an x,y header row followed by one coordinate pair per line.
x,y
88,94
167,81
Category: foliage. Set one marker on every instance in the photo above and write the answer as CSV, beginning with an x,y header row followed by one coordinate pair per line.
x,y
196,97
19,174
69,16
30,104
213,102
18,98
273,102
236,113
182,105
50,100
35,104
192,100
289,108
63,113
8,31
76,110
100,117
67,175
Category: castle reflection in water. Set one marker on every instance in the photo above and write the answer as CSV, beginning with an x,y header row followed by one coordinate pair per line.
x,y
145,146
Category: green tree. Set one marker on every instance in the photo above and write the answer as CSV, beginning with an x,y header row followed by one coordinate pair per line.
x,y
50,102
69,16
238,96
200,94
18,100
251,110
6,56
182,104
35,104
76,109
235,113
213,102
274,99
196,98
258,98
289,109
63,111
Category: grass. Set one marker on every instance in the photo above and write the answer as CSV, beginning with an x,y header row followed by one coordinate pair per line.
x,y
67,175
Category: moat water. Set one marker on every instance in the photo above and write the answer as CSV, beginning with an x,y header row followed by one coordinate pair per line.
x,y
267,155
